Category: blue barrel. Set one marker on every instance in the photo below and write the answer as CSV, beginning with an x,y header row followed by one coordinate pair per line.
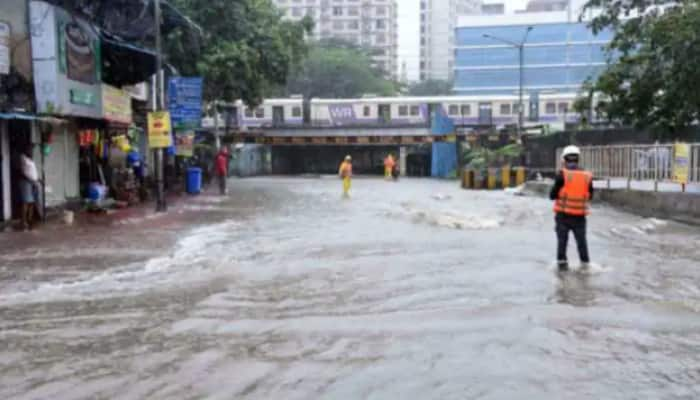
x,y
194,180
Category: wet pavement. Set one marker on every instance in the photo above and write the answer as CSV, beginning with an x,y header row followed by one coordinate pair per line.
x,y
414,290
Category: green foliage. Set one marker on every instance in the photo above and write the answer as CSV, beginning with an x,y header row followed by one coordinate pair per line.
x,y
482,157
653,79
431,87
337,69
246,47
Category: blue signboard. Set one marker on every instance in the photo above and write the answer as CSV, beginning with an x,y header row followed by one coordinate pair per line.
x,y
185,102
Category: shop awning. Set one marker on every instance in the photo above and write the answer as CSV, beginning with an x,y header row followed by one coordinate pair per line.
x,y
22,116
125,64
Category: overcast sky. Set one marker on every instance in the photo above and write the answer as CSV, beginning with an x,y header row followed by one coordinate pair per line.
x,y
409,33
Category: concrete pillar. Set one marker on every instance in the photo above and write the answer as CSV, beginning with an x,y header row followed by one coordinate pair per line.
x,y
403,153
6,189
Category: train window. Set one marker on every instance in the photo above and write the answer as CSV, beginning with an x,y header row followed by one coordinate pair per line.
x,y
259,112
366,111
403,111
415,110
454,109
563,108
296,111
505,109
248,113
550,108
466,109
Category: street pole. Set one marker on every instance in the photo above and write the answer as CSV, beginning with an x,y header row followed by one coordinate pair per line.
x,y
161,205
521,56
520,100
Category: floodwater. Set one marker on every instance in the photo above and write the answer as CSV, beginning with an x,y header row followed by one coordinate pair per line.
x,y
409,290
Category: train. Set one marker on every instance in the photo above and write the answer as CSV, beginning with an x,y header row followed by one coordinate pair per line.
x,y
466,111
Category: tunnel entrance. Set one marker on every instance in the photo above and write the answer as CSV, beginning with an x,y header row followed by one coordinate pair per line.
x,y
296,160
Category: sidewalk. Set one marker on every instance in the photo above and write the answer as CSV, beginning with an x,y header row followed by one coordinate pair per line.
x,y
646,186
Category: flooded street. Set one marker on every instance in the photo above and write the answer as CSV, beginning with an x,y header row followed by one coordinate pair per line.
x,y
409,290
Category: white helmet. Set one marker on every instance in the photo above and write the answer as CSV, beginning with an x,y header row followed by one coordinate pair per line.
x,y
570,151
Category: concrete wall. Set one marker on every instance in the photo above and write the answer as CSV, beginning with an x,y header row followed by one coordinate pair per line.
x,y
682,207
251,160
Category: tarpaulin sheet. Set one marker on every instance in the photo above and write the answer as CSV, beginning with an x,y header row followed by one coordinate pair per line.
x,y
444,159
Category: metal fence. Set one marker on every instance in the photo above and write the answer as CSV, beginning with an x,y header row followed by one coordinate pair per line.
x,y
636,162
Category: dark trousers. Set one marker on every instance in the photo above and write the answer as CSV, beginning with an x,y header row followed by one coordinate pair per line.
x,y
222,184
577,224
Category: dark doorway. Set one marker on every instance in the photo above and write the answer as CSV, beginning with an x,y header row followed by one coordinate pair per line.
x,y
20,138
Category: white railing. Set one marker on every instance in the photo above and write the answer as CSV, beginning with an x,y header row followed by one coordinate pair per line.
x,y
636,162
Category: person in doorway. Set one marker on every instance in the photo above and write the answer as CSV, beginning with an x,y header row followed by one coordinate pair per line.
x,y
572,192
389,165
345,173
221,169
28,187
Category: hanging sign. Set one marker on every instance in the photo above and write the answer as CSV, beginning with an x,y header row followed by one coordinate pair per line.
x,y
185,102
681,162
159,129
185,144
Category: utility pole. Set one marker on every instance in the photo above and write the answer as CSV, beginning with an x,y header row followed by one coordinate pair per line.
x,y
159,104
521,56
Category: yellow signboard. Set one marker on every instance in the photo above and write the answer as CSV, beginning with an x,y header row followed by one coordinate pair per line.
x,y
116,104
681,162
159,129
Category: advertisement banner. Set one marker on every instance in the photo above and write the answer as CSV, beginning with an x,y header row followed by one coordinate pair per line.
x,y
159,130
116,104
185,144
342,113
681,162
185,102
4,48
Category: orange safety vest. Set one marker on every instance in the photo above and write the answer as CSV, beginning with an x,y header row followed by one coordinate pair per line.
x,y
345,170
574,196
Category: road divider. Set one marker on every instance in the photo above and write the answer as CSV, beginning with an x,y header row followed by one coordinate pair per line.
x,y
493,178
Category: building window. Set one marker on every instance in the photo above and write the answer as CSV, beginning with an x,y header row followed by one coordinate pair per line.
x,y
466,109
551,108
563,108
338,11
415,110
259,112
403,111
248,113
297,11
381,10
353,25
296,112
338,25
505,109
366,111
453,109
353,11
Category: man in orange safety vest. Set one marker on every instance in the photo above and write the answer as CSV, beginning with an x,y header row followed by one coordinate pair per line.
x,y
572,193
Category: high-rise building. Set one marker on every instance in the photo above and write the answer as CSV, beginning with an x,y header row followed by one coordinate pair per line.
x,y
368,23
438,19
559,53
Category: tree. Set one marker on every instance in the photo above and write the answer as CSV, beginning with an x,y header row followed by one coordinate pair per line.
x,y
430,87
337,69
652,77
246,47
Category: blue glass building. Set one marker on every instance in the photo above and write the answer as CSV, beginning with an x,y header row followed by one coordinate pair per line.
x,y
558,56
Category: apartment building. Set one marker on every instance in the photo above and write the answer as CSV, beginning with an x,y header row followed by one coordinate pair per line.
x,y
367,23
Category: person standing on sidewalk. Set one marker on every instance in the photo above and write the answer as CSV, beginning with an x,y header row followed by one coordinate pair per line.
x,y
28,187
345,173
572,192
221,169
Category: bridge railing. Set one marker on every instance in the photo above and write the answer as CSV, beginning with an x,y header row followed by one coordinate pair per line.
x,y
636,162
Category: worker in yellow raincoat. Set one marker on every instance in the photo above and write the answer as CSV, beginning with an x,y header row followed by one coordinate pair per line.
x,y
345,173
389,164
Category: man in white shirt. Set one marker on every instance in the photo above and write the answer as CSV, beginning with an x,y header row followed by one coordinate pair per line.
x,y
27,187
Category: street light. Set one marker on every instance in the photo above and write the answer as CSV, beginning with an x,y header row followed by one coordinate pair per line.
x,y
521,50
